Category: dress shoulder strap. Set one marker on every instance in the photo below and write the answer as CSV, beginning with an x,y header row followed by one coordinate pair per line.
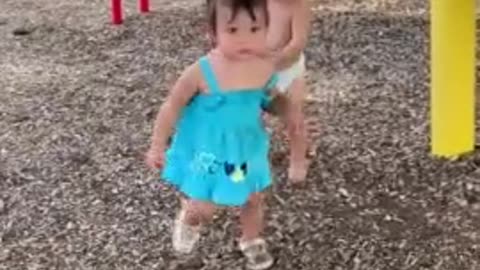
x,y
209,75
269,86
272,82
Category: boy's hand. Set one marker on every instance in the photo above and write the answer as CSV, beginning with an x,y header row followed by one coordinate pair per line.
x,y
270,54
283,61
155,158
276,57
273,53
279,59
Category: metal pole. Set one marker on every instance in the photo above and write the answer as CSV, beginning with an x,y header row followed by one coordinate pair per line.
x,y
116,11
452,77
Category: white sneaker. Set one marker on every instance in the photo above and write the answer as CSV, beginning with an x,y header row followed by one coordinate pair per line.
x,y
258,257
184,236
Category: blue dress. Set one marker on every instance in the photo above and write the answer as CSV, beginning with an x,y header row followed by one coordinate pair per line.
x,y
219,151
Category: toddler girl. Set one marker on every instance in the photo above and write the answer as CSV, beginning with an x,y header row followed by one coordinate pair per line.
x,y
218,155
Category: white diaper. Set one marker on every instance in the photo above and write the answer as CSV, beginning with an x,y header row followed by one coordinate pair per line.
x,y
288,75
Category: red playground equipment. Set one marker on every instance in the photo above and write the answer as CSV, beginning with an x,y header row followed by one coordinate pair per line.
x,y
117,13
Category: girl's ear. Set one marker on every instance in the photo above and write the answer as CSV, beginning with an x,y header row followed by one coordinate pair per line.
x,y
211,37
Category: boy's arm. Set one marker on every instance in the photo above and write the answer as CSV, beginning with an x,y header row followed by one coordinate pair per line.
x,y
301,21
183,90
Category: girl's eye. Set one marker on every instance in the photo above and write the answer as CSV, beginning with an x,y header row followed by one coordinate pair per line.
x,y
232,30
254,29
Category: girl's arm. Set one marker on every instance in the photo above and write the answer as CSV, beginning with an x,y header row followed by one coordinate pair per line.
x,y
301,21
183,90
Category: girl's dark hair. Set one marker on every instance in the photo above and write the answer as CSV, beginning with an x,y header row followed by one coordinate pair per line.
x,y
235,6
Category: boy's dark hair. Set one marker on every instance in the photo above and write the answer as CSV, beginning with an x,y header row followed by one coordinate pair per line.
x,y
235,6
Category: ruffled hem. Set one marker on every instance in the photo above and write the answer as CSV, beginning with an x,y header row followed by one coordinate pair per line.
x,y
216,188
214,198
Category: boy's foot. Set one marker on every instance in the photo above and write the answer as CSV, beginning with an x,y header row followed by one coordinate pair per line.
x,y
297,172
184,236
258,257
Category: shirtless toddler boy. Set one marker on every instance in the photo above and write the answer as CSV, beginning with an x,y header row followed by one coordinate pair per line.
x,y
289,28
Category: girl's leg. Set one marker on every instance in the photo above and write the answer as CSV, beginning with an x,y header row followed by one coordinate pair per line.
x,y
251,218
198,212
251,244
188,224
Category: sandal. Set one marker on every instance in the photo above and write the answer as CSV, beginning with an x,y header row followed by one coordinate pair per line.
x,y
258,257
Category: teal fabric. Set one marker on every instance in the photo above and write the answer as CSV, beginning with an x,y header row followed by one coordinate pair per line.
x,y
219,152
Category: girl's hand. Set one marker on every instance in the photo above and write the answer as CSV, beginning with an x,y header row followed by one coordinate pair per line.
x,y
155,158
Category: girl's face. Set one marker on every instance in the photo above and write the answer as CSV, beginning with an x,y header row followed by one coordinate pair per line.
x,y
241,36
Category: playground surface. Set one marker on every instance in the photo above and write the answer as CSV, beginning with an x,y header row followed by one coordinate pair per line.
x,y
77,101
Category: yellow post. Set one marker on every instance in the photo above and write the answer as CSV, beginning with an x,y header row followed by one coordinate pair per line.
x,y
453,77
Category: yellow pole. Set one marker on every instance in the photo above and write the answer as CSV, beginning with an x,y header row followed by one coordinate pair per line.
x,y
453,77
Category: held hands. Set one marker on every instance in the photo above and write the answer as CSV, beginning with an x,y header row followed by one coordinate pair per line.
x,y
278,104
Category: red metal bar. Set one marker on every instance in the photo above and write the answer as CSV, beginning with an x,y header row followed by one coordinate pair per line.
x,y
144,6
116,8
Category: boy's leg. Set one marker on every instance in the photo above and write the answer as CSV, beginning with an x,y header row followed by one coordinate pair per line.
x,y
187,226
252,245
297,132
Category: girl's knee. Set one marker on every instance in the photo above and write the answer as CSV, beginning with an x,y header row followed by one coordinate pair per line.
x,y
199,212
256,199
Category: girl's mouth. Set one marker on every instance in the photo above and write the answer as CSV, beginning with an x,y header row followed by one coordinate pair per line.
x,y
245,51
